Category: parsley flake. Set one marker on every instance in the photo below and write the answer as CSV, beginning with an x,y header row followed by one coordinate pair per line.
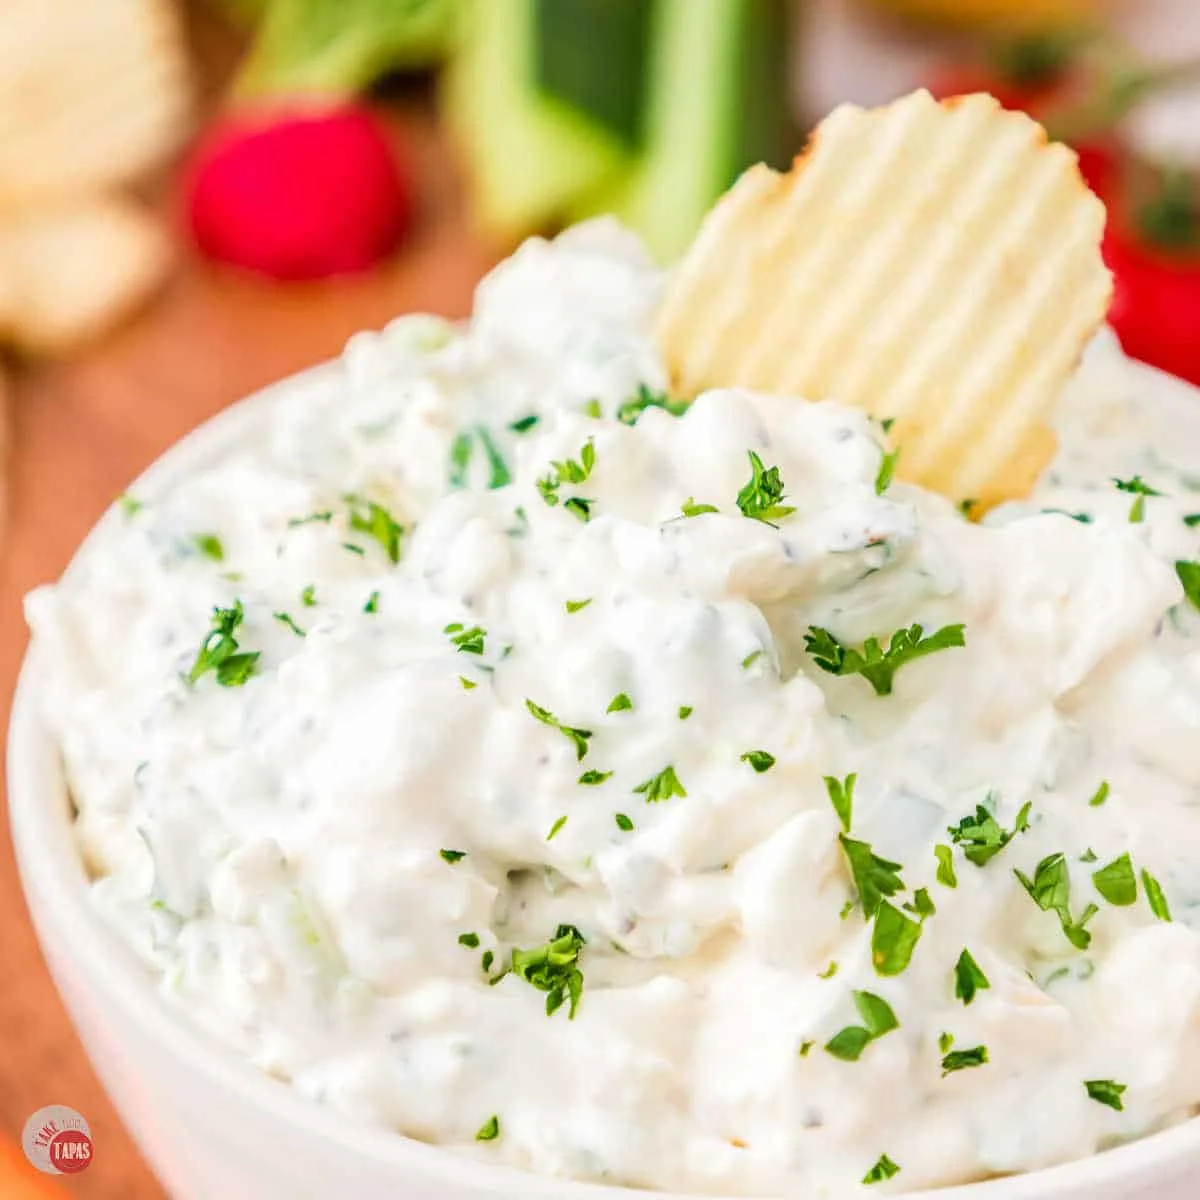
x,y
629,410
574,606
489,1131
886,472
554,829
830,971
219,650
1105,1091
685,711
968,978
130,505
690,508
759,498
619,703
209,545
1117,882
286,619
623,823
1154,894
525,424
372,605
317,518
872,662
1100,795
752,658
874,877
1189,577
893,940
571,471
578,737
945,866
661,787
841,796
760,760
377,523
962,1060
453,856
1050,889
1140,489
467,684
805,1047
467,641
591,778
883,1169
308,597
554,969
470,940
877,1019
982,837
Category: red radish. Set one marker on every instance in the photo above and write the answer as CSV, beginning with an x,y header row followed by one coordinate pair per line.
x,y
297,192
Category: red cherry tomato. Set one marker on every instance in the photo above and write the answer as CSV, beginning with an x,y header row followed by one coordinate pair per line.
x,y
1156,301
297,192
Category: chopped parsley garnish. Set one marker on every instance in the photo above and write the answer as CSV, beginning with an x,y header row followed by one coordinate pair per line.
x,y
1139,489
961,1060
453,856
982,837
467,684
619,703
830,971
945,1042
353,549
1050,889
570,471
467,641
922,904
525,424
805,1047
661,787
877,1019
555,828
372,604
592,409
579,737
886,472
752,658
470,940
893,940
967,507
968,978
574,606
460,458
591,778
760,497
1105,1091
377,523
841,796
690,508
1154,894
629,410
623,823
1192,520
486,960
760,760
945,866
1089,856
685,711
874,877
209,545
872,662
308,597
554,968
1117,882
1189,577
883,1169
1082,517
490,1130
1099,796
286,619
317,518
219,650
130,505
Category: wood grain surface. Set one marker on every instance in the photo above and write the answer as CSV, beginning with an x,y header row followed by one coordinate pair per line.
x,y
80,431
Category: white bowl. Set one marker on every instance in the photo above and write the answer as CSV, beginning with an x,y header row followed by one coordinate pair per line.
x,y
213,1126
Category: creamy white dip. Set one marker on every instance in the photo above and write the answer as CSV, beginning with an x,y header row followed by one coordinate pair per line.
x,y
331,852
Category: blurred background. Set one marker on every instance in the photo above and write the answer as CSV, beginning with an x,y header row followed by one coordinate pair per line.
x,y
199,197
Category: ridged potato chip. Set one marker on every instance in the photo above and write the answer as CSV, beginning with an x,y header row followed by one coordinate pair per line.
x,y
933,263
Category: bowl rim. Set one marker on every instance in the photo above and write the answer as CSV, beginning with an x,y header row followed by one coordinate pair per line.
x,y
51,869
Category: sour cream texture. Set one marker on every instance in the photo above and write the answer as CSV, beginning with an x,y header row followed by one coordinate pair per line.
x,y
274,849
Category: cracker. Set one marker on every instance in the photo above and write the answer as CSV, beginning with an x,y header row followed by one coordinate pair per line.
x,y
933,263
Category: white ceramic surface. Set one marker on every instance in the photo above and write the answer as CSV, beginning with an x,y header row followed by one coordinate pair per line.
x,y
214,1128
